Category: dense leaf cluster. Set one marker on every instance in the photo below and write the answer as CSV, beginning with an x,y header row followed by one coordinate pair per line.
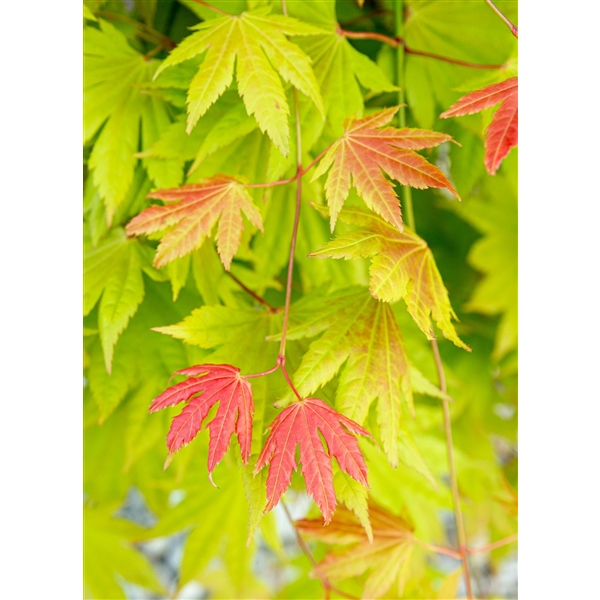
x,y
207,127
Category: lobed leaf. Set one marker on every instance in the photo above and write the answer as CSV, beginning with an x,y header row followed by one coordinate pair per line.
x,y
215,383
257,41
301,424
402,266
386,556
365,152
502,133
193,210
363,334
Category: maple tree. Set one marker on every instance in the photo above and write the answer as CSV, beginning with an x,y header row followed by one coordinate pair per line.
x,y
233,150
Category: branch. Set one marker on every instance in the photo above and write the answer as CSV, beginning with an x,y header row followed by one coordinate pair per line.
x,y
144,31
452,61
399,41
211,7
304,547
503,542
290,274
512,28
437,549
253,294
460,527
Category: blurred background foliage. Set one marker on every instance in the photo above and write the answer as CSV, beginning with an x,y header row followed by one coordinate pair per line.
x,y
154,533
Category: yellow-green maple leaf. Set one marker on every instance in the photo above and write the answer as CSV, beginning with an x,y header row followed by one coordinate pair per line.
x,y
340,69
364,334
115,107
402,266
112,270
258,41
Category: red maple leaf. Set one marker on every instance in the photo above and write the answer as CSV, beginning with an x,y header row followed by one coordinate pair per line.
x,y
300,423
503,131
217,383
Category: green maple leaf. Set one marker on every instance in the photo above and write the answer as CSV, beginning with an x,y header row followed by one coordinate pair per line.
x,y
402,266
258,41
495,255
114,106
364,334
108,551
340,69
113,270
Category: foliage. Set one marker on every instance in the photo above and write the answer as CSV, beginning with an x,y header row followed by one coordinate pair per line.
x,y
232,150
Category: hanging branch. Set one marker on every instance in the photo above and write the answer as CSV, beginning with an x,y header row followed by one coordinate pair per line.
x,y
514,30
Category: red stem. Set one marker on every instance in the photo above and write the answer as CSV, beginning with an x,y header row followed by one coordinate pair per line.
x,y
287,377
211,7
270,183
397,41
453,61
514,30
272,370
249,291
290,274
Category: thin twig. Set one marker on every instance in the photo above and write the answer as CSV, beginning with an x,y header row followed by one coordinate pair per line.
x,y
290,274
307,551
251,293
514,30
503,542
407,203
368,16
399,41
268,372
437,549
452,61
460,527
145,31
211,7
270,183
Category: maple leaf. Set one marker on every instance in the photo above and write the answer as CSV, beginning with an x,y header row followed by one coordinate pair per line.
x,y
364,151
219,383
113,271
503,131
300,423
387,557
402,266
199,207
115,107
340,68
259,43
364,333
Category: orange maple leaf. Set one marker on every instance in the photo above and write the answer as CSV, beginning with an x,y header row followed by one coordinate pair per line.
x,y
388,556
364,151
503,131
192,212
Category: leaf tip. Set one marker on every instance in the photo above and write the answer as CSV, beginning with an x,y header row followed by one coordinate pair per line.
x,y
211,480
